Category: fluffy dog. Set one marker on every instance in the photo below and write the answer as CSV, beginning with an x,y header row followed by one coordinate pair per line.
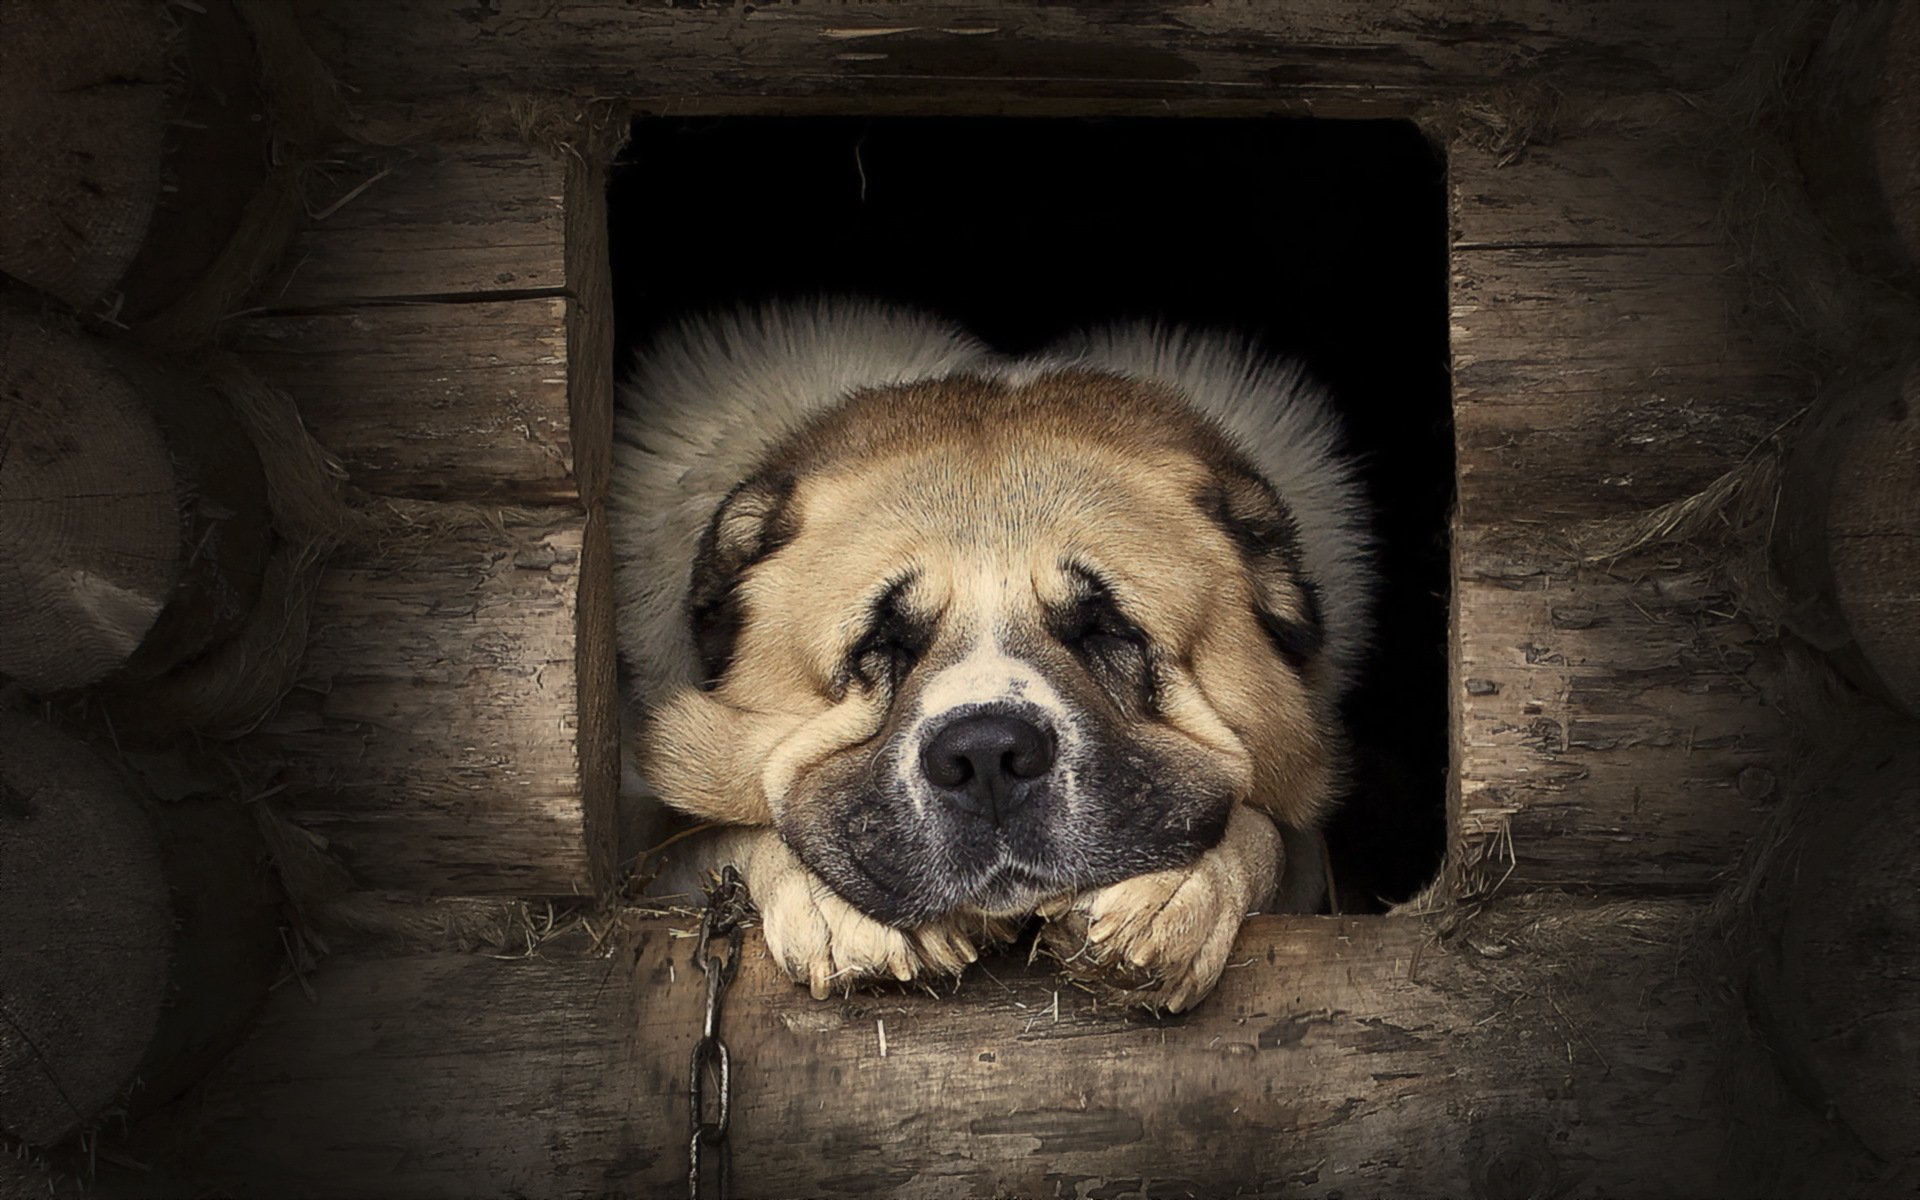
x,y
946,639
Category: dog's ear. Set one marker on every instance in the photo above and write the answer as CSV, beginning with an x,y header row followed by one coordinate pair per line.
x,y
1287,605
754,520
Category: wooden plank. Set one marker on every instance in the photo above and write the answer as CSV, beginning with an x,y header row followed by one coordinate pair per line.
x,y
1322,56
1553,1041
1611,725
431,401
466,220
434,741
1594,189
1614,731
589,332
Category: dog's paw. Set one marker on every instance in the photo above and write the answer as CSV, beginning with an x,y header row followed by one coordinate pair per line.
x,y
822,941
1164,937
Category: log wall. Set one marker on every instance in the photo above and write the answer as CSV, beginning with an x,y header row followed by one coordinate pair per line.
x,y
1554,1028
445,739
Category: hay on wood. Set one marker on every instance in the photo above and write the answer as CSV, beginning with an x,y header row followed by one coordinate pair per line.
x,y
234,684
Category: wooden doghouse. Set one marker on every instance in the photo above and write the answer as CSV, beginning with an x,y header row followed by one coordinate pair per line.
x,y
1672,949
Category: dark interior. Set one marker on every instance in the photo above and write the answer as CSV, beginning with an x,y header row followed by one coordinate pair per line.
x,y
1324,239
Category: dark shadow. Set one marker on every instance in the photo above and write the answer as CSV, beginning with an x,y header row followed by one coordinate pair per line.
x,y
1326,239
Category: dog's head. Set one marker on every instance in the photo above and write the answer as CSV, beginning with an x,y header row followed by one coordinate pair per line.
x,y
971,645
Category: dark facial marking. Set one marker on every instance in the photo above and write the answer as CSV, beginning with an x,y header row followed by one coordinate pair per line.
x,y
1287,605
895,640
1112,647
753,522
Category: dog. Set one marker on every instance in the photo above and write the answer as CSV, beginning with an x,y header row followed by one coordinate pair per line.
x,y
941,639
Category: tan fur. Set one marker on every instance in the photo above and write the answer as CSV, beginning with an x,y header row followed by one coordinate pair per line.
x,y
986,487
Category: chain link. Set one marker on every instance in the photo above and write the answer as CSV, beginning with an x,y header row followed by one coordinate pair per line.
x,y
710,1114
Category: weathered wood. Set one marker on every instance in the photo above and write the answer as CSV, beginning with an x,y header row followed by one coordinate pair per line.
x,y
1324,57
1355,1057
589,327
470,220
431,401
1611,734
89,534
422,321
82,106
1614,736
1599,189
132,510
590,348
85,932
434,740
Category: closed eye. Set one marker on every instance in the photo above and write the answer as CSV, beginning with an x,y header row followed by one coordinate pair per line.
x,y
1112,646
893,643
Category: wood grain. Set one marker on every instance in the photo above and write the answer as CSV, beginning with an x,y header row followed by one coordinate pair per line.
x,y
1324,56
1354,1057
1613,730
433,741
466,220
421,321
431,401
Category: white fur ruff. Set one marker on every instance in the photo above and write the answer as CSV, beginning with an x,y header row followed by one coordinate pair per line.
x,y
711,398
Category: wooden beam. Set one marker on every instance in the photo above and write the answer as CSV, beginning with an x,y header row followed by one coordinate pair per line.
x,y
431,401
1554,1043
468,220
1323,56
420,321
433,742
1613,733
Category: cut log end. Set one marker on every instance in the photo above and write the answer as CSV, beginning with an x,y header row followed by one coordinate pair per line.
x,y
81,129
1873,539
86,932
89,528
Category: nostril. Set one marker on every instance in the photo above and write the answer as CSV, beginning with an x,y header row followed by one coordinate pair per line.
x,y
947,770
1031,755
980,761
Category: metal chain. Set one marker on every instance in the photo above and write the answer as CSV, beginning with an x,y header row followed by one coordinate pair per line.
x,y
726,907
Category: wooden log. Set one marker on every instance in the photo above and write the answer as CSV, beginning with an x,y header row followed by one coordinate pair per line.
x,y
469,220
227,949
1896,129
1849,540
85,932
134,517
434,741
431,401
89,532
1324,57
1856,132
1552,1044
219,148
1835,971
82,106
1612,723
590,353
460,392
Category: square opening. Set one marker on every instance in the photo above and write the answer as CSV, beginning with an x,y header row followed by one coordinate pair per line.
x,y
1324,240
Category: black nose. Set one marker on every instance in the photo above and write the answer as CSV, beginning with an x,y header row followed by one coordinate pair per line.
x,y
984,762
